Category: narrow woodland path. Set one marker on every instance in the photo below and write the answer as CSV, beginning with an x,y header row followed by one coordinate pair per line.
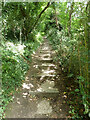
x,y
43,93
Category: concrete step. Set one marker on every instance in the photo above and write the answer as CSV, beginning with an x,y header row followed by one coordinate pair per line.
x,y
41,75
45,51
48,64
46,60
45,55
46,87
46,94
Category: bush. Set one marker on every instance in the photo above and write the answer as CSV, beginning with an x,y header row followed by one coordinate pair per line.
x,y
14,69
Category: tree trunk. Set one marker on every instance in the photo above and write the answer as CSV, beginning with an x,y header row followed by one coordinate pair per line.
x,y
20,36
39,17
70,17
88,35
56,17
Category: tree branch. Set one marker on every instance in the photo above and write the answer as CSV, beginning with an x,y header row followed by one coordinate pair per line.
x,y
39,17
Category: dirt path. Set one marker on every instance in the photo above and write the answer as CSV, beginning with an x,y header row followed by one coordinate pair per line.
x,y
43,92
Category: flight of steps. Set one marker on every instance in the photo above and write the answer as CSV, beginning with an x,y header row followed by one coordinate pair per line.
x,y
39,96
46,76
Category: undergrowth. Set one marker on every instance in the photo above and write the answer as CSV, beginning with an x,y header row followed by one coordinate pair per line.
x,y
72,60
15,57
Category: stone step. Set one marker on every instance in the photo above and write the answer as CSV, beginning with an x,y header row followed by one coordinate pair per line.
x,y
50,72
44,66
46,94
45,55
46,48
48,64
42,58
45,51
46,60
44,107
47,67
41,80
41,75
46,87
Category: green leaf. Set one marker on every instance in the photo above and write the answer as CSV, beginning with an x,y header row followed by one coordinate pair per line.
x,y
70,75
76,90
81,78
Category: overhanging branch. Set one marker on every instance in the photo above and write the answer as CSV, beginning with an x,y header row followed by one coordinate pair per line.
x,y
39,16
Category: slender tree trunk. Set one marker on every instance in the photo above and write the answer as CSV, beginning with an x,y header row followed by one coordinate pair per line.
x,y
56,17
88,35
20,36
85,40
70,17
15,34
80,69
69,33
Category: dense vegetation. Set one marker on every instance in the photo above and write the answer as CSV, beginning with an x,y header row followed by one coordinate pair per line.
x,y
66,26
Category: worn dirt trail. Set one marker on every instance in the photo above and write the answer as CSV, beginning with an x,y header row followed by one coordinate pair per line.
x,y
43,93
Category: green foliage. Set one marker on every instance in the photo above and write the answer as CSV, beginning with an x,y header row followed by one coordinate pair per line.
x,y
31,46
72,50
19,17
70,75
13,72
71,44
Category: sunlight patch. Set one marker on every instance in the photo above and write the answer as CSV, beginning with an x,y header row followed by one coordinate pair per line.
x,y
18,49
25,86
44,107
48,86
48,71
47,64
